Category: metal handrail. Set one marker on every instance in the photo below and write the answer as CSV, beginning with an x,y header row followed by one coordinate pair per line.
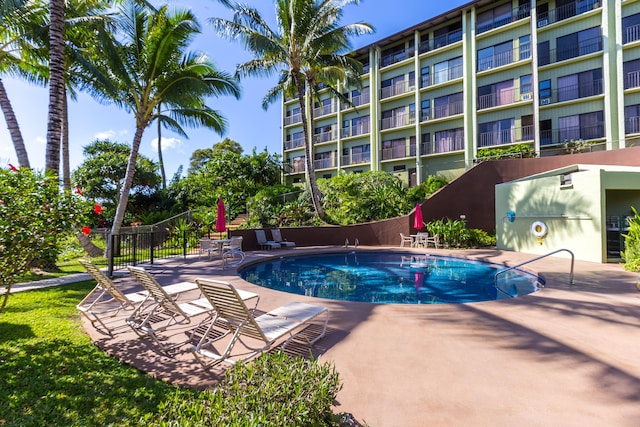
x,y
495,278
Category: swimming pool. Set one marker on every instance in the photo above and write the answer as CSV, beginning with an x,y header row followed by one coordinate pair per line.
x,y
389,278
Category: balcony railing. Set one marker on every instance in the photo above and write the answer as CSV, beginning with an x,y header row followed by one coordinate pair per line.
x,y
567,52
360,129
442,76
505,58
494,99
517,14
441,41
567,93
631,34
326,163
294,143
321,137
293,119
505,136
450,109
567,11
631,125
632,79
398,152
356,159
441,146
559,136
295,167
398,121
357,100
398,88
395,57
323,110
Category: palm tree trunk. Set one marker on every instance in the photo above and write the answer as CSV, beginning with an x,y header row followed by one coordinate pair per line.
x,y
160,162
56,85
308,149
88,246
13,127
66,167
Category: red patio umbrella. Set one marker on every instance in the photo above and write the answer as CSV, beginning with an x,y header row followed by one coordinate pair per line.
x,y
417,220
220,220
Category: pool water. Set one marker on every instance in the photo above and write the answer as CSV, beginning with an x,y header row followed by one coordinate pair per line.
x,y
390,278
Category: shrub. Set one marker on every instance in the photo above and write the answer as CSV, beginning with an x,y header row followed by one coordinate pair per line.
x,y
272,390
518,151
631,253
480,238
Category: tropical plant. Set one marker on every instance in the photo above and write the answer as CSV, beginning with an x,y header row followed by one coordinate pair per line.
x,y
496,153
145,64
631,253
422,191
307,48
452,233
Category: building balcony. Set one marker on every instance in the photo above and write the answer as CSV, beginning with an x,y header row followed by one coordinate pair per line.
x,y
296,167
293,119
327,163
323,111
328,136
357,100
503,97
442,146
563,53
517,14
294,143
442,76
504,58
559,136
440,41
505,136
356,159
631,34
400,152
398,121
361,129
568,93
632,80
442,111
399,88
631,125
396,57
567,11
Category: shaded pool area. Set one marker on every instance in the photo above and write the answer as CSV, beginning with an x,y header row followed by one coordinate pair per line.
x,y
389,278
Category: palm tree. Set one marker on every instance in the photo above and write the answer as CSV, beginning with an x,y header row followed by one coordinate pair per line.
x,y
19,21
144,65
307,48
56,85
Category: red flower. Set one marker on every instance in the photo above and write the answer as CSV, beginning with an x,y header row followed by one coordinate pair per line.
x,y
97,209
13,168
86,230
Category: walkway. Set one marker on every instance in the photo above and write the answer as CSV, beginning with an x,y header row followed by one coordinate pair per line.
x,y
567,355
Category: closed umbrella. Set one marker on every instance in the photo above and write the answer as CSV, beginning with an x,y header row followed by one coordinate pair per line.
x,y
220,221
417,220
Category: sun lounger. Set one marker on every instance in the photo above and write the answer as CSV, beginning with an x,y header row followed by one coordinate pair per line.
x,y
234,322
261,237
277,237
160,310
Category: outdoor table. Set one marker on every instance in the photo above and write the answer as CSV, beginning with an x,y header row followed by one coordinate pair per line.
x,y
220,244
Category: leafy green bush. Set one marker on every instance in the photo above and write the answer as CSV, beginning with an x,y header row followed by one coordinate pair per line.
x,y
631,253
272,390
421,192
455,234
480,238
518,150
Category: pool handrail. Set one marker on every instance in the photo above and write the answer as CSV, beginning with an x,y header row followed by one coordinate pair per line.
x,y
495,278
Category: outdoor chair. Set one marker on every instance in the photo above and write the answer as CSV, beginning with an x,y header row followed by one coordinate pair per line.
x,y
232,253
160,310
206,246
423,239
235,322
405,239
261,237
276,235
105,301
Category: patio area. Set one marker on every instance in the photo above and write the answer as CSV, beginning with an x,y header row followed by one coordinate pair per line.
x,y
566,355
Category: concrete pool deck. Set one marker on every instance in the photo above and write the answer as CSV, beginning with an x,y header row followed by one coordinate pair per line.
x,y
566,355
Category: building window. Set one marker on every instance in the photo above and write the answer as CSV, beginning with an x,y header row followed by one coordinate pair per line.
x,y
323,134
496,133
449,140
425,77
631,72
495,56
580,85
578,44
426,146
631,28
448,105
525,85
545,92
447,70
496,94
397,85
544,56
581,126
397,117
546,132
425,110
632,119
524,44
447,35
394,149
494,18
298,164
324,160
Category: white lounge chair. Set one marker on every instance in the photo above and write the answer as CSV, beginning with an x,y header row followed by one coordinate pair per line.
x,y
159,310
276,235
261,237
105,301
234,322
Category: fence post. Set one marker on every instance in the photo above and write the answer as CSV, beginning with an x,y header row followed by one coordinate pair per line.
x,y
134,247
151,243
110,243
184,243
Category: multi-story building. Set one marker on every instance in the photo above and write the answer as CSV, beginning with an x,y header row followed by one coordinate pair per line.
x,y
487,74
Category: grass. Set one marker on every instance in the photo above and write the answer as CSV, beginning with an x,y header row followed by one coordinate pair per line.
x,y
53,375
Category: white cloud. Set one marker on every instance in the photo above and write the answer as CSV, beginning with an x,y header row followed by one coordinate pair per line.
x,y
111,135
167,143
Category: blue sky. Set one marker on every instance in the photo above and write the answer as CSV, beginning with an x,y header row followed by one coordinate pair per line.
x,y
248,123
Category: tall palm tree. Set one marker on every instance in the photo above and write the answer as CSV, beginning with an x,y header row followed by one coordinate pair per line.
x,y
19,23
308,47
145,64
56,85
